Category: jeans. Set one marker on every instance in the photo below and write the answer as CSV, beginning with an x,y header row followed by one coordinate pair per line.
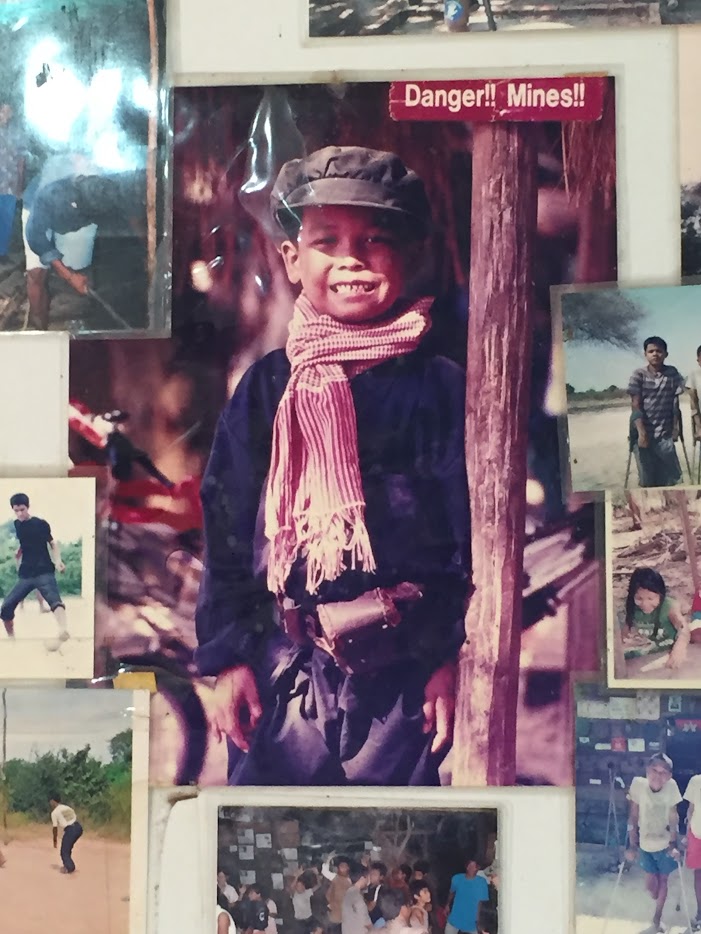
x,y
44,583
71,835
8,206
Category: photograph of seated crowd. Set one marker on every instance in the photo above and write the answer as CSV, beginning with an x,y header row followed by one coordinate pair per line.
x,y
351,872
79,161
232,307
430,17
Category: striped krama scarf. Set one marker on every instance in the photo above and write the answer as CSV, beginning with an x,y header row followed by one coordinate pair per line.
x,y
314,503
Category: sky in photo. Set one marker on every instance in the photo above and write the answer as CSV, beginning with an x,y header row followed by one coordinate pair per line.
x,y
671,312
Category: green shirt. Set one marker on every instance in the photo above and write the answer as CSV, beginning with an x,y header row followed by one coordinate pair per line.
x,y
656,626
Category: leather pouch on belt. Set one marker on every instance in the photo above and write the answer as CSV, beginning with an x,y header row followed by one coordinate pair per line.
x,y
366,634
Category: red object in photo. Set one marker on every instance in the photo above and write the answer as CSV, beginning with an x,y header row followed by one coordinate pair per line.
x,y
619,744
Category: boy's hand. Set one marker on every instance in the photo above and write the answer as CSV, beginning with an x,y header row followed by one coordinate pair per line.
x,y
642,438
631,854
674,852
60,567
439,705
237,709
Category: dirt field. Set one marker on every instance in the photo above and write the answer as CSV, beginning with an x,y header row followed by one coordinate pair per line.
x,y
38,899
28,654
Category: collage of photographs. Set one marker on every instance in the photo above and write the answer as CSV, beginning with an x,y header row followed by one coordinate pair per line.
x,y
363,587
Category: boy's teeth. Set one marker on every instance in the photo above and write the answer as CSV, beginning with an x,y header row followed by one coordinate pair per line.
x,y
353,287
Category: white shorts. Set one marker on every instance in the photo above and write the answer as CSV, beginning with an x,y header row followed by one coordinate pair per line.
x,y
77,246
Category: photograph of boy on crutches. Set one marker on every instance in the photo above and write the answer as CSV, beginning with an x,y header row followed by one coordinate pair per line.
x,y
653,830
630,384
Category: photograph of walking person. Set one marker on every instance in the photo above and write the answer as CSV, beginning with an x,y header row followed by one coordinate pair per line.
x,y
654,588
82,122
47,578
344,272
69,756
637,780
632,361
334,871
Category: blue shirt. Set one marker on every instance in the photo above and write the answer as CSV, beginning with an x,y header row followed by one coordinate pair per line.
x,y
468,894
410,420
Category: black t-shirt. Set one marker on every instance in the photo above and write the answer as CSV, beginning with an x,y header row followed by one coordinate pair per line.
x,y
34,535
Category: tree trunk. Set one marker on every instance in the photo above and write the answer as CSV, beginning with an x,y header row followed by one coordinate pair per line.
x,y
498,393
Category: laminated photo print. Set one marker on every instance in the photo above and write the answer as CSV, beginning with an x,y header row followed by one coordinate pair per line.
x,y
74,780
629,377
333,18
331,867
346,457
689,120
82,166
47,578
654,588
638,811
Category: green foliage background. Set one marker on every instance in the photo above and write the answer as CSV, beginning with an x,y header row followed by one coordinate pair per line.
x,y
100,792
70,582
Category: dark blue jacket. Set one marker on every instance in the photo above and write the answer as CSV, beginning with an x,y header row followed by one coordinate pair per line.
x,y
410,417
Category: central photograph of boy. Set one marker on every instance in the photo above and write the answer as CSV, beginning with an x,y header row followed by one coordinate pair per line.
x,y
338,275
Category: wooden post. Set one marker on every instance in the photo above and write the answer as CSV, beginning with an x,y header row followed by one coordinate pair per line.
x,y
499,344
689,540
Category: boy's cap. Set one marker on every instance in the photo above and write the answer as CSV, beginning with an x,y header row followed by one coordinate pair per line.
x,y
662,759
350,176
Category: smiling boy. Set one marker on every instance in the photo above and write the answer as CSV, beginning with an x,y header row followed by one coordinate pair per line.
x,y
655,390
336,517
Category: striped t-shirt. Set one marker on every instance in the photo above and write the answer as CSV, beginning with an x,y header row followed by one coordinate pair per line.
x,y
657,391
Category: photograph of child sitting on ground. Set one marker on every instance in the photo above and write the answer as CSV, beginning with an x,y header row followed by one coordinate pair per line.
x,y
65,809
654,584
333,871
637,812
632,361
47,571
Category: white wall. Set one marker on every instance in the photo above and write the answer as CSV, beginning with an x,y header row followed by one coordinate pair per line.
x,y
229,41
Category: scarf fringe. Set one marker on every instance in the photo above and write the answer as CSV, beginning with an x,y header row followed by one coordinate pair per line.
x,y
332,545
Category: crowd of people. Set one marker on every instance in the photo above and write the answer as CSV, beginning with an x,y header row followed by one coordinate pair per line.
x,y
355,896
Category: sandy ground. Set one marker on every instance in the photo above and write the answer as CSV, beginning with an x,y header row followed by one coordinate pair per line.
x,y
599,447
631,908
28,655
37,899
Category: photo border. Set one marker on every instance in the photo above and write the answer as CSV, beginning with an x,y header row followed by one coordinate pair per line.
x,y
612,682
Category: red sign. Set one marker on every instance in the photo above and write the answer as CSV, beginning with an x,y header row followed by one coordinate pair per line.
x,y
577,97
619,744
688,726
